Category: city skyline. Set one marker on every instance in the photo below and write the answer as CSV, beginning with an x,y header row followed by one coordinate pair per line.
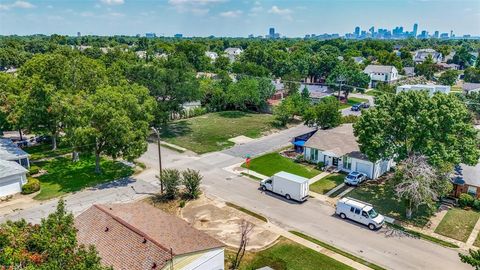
x,y
234,18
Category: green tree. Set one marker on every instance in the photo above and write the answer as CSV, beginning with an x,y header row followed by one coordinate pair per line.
x,y
50,245
472,75
244,94
463,58
326,114
114,121
472,258
291,106
171,181
438,127
427,68
448,77
191,179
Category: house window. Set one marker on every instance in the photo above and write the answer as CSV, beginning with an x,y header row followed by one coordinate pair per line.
x,y
314,154
347,163
472,190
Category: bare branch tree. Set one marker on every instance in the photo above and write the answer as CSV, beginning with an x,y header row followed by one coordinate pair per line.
x,y
415,182
245,230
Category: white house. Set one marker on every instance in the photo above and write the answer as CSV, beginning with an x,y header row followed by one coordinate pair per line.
x,y
431,88
12,177
422,54
11,152
140,236
233,53
338,147
379,73
212,55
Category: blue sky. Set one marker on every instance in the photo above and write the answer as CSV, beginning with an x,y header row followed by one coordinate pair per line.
x,y
234,17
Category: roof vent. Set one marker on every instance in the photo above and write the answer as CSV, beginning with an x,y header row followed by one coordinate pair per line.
x,y
144,240
106,229
154,266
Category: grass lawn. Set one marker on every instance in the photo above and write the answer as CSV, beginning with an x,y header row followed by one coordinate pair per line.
x,y
477,241
44,150
270,164
210,132
458,224
374,93
286,254
383,198
65,176
352,101
325,184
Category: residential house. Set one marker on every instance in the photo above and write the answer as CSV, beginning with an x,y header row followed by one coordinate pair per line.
x,y
138,236
445,66
338,147
422,54
468,181
212,55
470,87
316,91
431,88
409,71
9,151
141,54
358,59
12,177
233,53
379,73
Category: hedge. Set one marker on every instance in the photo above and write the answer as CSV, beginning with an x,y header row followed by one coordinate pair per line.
x,y
33,185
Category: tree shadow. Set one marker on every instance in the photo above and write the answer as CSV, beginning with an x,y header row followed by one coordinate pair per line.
x,y
176,129
233,114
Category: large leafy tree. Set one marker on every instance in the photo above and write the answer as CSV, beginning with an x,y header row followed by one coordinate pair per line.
x,y
472,258
472,74
293,105
438,127
350,75
50,245
115,121
427,68
326,114
448,77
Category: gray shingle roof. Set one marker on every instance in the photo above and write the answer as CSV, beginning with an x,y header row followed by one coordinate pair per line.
x,y
378,69
9,168
10,151
471,174
470,86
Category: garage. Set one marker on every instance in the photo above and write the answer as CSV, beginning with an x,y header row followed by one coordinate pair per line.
x,y
12,178
364,168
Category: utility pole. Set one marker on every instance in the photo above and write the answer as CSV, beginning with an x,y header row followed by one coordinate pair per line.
x,y
159,159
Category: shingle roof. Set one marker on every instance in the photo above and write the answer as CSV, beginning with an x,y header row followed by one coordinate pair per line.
x,y
339,141
138,235
378,68
10,151
471,174
9,168
470,86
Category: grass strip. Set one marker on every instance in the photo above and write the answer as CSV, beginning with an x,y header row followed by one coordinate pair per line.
x,y
423,236
337,250
172,148
246,211
339,191
251,176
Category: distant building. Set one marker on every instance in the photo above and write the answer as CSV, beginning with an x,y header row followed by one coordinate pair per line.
x,y
415,30
431,88
409,71
178,36
470,87
421,55
378,73
150,35
212,55
358,59
271,32
79,34
436,34
357,32
233,53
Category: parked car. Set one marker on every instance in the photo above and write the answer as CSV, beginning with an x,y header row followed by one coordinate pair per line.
x,y
360,212
354,178
356,107
289,185
365,105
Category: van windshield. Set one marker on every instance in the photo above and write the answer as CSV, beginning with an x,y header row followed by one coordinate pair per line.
x,y
372,213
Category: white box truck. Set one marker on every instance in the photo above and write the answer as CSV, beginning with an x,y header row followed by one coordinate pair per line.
x,y
360,212
289,185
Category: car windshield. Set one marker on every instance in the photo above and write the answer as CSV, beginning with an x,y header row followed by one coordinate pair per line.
x,y
351,177
372,213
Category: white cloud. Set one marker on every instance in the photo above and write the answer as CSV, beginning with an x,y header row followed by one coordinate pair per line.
x,y
113,2
197,7
279,11
17,4
231,13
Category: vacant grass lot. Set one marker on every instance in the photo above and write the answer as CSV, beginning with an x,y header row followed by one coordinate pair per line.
x,y
289,255
210,132
458,224
270,164
44,150
385,202
352,101
325,184
65,176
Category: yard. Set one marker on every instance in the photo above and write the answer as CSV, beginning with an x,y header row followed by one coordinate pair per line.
x,y
382,197
210,132
374,93
66,176
289,255
270,164
44,150
327,183
458,224
352,101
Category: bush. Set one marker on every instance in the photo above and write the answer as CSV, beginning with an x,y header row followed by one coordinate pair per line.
x,y
320,165
466,200
33,185
34,170
191,180
182,204
476,205
349,119
299,158
171,181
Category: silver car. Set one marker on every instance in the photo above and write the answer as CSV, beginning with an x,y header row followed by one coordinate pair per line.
x,y
354,178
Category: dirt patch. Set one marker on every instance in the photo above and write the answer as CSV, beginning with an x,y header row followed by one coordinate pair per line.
x,y
223,223
240,139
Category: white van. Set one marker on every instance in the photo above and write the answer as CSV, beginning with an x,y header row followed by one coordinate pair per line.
x,y
289,185
360,212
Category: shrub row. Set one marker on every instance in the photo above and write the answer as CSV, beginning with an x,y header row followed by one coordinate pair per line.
x,y
467,200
